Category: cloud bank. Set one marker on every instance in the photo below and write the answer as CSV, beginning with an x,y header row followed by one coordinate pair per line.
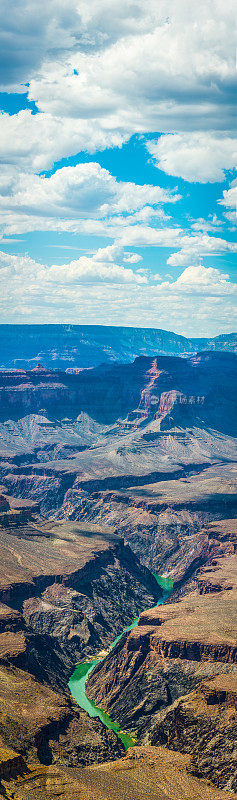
x,y
100,289
97,74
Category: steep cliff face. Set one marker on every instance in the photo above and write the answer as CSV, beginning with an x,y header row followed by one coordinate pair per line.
x,y
67,590
21,647
77,587
45,726
90,609
69,466
179,391
187,650
167,523
183,701
141,458
169,652
204,724
39,721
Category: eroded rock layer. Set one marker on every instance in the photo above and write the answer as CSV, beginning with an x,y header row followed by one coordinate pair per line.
x,y
138,456
172,679
76,587
162,386
65,590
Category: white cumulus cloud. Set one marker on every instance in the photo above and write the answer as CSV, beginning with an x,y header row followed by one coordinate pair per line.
x,y
203,280
193,247
74,196
196,157
101,71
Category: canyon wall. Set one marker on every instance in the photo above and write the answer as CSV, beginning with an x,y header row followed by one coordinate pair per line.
x,y
172,679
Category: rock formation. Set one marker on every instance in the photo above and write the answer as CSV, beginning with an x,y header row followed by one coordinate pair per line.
x,y
161,386
172,679
77,586
132,467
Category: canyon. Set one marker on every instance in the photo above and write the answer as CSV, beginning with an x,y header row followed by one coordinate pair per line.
x,y
161,386
110,476
173,679
79,346
58,578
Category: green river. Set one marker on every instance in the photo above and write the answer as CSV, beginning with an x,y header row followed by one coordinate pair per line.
x,y
77,683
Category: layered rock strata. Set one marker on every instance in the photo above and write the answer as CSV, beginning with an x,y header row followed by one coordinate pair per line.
x,y
168,523
171,680
204,724
65,590
162,386
76,586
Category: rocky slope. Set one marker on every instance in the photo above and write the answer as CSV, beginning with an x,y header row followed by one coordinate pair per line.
x,y
64,462
39,722
204,724
56,732
145,772
164,522
69,346
171,679
158,488
186,650
77,586
65,591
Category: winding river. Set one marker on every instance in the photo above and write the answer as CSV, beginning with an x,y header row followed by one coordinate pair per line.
x,y
77,682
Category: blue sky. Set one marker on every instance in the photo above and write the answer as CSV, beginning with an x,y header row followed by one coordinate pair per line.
x,y
117,142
